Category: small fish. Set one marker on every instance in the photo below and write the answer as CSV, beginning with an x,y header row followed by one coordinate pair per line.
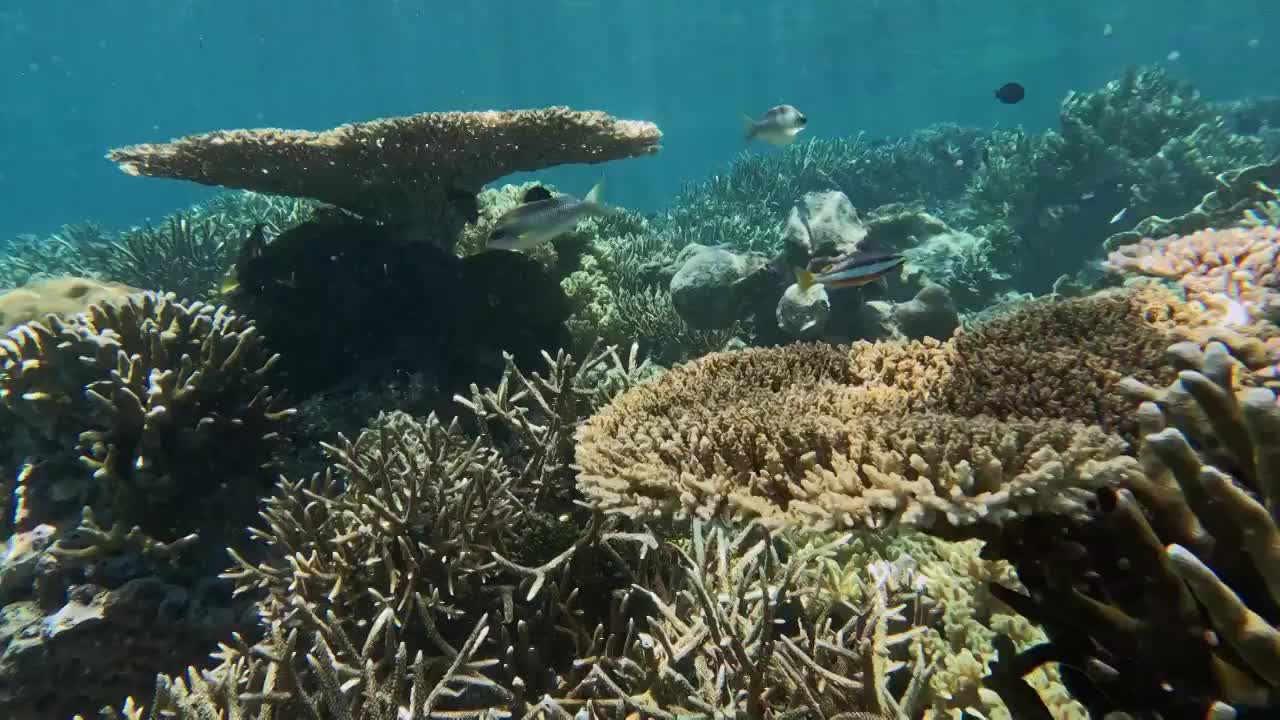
x,y
536,193
853,271
1118,216
536,222
778,126
1010,93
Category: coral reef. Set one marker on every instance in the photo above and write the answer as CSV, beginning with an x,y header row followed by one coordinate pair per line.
x,y
332,294
1145,143
140,434
60,295
411,170
1237,195
1213,267
1158,610
186,253
725,624
155,391
1061,358
793,437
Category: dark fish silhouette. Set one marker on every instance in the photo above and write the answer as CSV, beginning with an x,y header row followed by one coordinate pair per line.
x,y
536,193
1010,93
250,271
464,201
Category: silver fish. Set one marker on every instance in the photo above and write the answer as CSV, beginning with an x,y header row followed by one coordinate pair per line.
x,y
778,126
536,222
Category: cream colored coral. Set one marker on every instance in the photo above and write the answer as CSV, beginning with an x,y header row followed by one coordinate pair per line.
x,y
791,436
63,295
1215,267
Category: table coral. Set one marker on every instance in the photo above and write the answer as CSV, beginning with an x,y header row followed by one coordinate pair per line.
x,y
404,169
792,436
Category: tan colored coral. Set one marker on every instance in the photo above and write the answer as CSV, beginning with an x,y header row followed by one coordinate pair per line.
x,y
1060,359
1213,266
63,295
402,169
792,436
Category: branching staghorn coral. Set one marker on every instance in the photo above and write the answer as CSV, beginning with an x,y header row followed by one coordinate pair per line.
x,y
186,253
723,624
400,169
542,412
156,391
31,257
1165,604
185,256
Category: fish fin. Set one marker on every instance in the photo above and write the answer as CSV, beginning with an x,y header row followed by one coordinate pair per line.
x,y
804,278
596,195
230,283
748,128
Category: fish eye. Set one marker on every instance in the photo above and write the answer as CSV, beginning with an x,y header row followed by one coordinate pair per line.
x,y
802,120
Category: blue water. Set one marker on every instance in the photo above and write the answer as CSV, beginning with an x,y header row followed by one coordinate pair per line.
x,y
78,77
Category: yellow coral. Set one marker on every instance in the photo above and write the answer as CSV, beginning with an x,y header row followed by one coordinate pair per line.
x,y
63,296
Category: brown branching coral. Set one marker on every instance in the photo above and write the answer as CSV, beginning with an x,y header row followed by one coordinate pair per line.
x,y
1060,359
542,411
1153,607
793,437
401,169
724,625
157,393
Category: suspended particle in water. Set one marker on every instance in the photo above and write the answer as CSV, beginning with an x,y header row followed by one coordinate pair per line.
x,y
1107,30
1173,56
1254,42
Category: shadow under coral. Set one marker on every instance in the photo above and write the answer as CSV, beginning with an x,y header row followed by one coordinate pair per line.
x,y
343,300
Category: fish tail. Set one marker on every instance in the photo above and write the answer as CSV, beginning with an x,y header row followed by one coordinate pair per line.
x,y
230,283
804,278
748,128
596,196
